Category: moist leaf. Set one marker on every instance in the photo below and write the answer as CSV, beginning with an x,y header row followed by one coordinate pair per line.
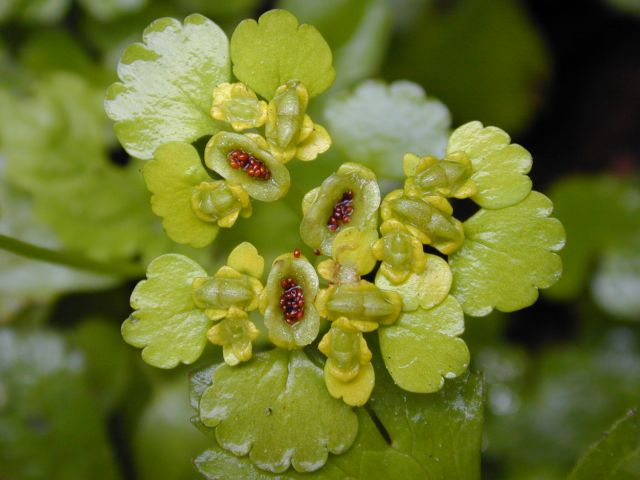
x,y
378,123
499,167
275,49
166,84
48,413
421,348
507,255
616,456
277,410
171,176
166,323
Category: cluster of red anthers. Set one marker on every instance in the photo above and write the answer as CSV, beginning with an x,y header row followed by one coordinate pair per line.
x,y
341,211
291,301
250,164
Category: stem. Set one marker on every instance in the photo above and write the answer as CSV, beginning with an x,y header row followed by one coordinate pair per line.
x,y
73,260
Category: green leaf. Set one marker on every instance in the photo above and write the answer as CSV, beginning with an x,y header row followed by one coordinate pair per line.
x,y
499,167
107,362
40,11
378,123
49,425
166,323
616,456
171,176
485,59
422,348
438,437
277,410
507,255
166,84
353,29
601,214
616,282
165,441
268,53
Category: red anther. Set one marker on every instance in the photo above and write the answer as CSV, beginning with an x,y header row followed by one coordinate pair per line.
x,y
292,301
250,164
342,211
316,252
296,253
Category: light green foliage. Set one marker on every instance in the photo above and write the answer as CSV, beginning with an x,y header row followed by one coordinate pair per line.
x,y
353,29
36,11
378,123
172,176
484,59
47,414
507,255
499,167
166,323
631,7
164,439
23,281
167,83
276,49
602,217
616,456
110,9
421,348
277,410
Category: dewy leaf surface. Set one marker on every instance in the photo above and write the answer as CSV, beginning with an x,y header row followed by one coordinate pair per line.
x,y
166,84
166,323
616,456
47,414
499,167
507,255
277,410
378,123
421,348
275,49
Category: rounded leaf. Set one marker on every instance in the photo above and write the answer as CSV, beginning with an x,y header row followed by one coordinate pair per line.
x,y
277,410
275,49
166,84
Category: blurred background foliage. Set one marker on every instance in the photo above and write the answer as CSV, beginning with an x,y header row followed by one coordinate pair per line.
x,y
562,77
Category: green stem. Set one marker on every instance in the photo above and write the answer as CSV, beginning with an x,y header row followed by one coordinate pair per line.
x,y
73,260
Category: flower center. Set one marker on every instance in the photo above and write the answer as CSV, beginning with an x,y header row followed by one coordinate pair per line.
x,y
342,211
291,301
250,164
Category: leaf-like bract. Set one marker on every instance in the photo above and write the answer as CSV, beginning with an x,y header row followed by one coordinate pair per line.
x,y
276,49
166,84
378,123
499,167
166,323
507,255
277,410
421,348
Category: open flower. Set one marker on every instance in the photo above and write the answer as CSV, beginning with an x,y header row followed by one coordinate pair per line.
x,y
237,104
399,251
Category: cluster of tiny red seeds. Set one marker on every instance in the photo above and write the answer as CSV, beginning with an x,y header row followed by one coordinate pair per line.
x,y
291,301
249,163
341,211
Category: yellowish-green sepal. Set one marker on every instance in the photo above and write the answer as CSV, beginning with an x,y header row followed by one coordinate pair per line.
x,y
217,158
304,330
238,105
352,249
400,252
318,205
428,176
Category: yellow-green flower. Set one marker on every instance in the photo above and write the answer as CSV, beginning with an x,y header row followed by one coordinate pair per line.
x,y
236,285
237,104
428,176
400,252
348,373
287,302
219,202
235,334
